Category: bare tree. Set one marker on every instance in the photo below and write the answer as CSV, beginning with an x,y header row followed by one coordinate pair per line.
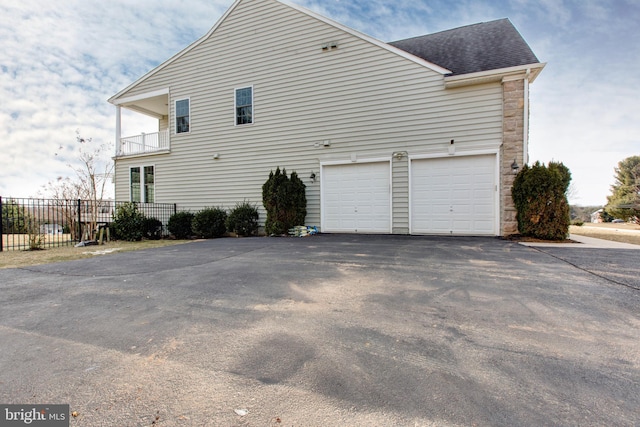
x,y
93,176
93,171
65,192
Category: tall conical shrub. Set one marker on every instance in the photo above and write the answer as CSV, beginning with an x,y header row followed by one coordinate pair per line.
x,y
285,201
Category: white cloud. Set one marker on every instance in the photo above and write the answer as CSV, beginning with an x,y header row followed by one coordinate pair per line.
x,y
63,60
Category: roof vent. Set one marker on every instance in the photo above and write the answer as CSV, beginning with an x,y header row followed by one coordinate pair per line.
x,y
329,46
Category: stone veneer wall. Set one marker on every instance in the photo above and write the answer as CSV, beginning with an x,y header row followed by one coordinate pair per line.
x,y
512,148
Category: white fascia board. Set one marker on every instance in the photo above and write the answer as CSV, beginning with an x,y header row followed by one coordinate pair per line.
x,y
179,54
356,33
502,74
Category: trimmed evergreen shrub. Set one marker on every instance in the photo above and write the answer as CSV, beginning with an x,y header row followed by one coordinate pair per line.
x,y
540,196
285,200
152,228
243,219
298,200
128,222
180,224
209,223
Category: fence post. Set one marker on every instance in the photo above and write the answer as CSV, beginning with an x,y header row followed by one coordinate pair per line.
x,y
175,208
1,231
79,235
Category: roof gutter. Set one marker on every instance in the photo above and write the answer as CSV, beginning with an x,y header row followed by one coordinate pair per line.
x,y
519,72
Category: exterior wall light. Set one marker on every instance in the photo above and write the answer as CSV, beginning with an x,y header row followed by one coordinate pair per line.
x,y
515,167
312,177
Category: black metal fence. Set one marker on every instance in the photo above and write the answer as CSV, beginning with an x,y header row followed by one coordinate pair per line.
x,y
46,223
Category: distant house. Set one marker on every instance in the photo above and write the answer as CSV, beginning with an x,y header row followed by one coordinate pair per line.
x,y
52,229
597,217
417,136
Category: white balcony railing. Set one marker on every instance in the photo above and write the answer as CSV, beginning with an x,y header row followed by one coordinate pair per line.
x,y
145,143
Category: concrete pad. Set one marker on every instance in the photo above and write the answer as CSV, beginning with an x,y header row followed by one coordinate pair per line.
x,y
584,242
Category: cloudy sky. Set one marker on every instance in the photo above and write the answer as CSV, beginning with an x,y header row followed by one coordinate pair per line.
x,y
61,60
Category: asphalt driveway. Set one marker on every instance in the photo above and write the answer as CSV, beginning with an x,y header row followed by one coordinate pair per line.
x,y
329,330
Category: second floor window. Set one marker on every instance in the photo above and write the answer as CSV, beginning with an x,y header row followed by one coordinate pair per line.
x,y
244,105
182,116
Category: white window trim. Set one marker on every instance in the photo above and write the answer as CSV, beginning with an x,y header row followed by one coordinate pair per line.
x,y
235,106
175,116
142,189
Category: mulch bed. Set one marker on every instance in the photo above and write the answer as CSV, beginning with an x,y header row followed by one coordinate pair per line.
x,y
527,239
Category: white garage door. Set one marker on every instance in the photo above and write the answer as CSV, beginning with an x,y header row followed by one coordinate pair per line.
x,y
454,195
356,198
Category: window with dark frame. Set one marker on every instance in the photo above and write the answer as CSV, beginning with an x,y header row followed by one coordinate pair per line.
x,y
244,106
182,116
135,184
149,184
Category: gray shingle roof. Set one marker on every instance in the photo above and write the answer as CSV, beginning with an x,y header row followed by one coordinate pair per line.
x,y
479,47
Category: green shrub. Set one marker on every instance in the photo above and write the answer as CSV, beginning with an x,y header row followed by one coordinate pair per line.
x,y
540,197
180,224
209,223
14,218
577,222
285,200
243,219
128,222
152,228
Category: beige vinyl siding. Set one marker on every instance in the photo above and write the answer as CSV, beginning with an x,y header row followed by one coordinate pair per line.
x,y
163,123
366,100
400,201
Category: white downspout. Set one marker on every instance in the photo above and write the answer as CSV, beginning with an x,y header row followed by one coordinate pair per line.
x,y
525,139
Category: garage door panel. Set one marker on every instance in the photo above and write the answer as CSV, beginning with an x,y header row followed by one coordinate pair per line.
x,y
453,195
463,226
357,197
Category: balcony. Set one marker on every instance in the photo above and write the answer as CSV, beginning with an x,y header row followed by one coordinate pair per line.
x,y
151,111
147,143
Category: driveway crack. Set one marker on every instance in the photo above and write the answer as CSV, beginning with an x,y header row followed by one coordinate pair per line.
x,y
593,273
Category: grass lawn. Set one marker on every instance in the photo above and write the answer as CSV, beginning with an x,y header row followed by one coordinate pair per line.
x,y
626,233
15,259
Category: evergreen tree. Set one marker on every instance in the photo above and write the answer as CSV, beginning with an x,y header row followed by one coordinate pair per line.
x,y
285,201
624,201
15,218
